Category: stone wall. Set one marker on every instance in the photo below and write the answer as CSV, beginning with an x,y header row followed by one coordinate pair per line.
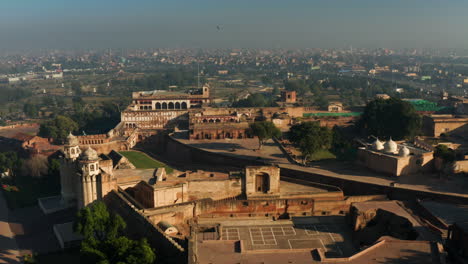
x,y
215,189
139,226
319,204
188,154
393,164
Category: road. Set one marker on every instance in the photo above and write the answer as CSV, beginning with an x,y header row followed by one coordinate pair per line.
x,y
9,252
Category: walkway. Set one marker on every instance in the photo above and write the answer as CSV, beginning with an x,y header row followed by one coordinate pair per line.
x,y
9,252
271,153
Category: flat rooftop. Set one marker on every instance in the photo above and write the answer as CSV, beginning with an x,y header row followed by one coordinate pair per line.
x,y
298,236
297,241
449,213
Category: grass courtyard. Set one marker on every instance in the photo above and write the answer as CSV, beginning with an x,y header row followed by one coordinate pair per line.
x,y
143,161
322,154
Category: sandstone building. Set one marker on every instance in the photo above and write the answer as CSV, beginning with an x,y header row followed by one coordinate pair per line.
x,y
396,159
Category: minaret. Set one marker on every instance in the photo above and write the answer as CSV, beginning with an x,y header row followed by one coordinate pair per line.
x,y
71,152
88,165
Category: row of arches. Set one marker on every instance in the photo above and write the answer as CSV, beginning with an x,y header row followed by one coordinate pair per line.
x,y
171,105
220,135
91,142
217,120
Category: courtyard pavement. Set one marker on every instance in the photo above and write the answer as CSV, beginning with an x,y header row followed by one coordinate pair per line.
x,y
9,252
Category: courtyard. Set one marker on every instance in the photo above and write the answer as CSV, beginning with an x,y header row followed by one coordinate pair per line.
x,y
143,161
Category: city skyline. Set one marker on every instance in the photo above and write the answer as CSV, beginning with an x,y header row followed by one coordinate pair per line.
x,y
239,24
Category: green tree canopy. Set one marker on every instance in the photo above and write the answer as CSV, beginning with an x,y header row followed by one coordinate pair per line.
x,y
264,130
104,242
310,137
9,161
58,128
30,109
296,85
390,118
255,100
445,153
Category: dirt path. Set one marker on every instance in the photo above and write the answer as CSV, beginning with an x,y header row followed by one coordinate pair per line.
x,y
9,252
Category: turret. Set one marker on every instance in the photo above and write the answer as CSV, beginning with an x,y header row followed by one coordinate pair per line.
x,y
88,164
71,149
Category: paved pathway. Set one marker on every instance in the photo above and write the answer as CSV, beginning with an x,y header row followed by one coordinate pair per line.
x,y
9,252
271,153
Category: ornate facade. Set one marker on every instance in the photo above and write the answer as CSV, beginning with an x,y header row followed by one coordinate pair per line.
x,y
85,176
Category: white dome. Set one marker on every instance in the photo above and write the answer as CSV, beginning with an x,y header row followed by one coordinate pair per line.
x,y
390,146
89,155
377,145
404,152
71,140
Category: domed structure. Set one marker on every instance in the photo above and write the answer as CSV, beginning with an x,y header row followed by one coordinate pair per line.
x,y
89,155
404,152
377,145
71,140
390,146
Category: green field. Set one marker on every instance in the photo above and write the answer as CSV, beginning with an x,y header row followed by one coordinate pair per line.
x,y
143,161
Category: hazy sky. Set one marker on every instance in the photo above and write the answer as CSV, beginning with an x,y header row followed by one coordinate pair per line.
x,y
245,23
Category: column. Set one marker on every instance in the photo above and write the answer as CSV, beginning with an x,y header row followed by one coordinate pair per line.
x,y
89,190
82,198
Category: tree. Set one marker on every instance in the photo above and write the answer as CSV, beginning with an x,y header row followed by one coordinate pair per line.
x,y
36,166
9,161
296,85
445,153
58,129
310,137
104,242
264,130
76,87
254,100
390,118
31,110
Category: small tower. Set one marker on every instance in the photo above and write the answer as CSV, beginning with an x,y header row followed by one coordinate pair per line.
x,y
68,181
206,91
88,166
71,149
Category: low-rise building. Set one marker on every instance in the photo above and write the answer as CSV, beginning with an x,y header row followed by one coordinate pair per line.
x,y
395,159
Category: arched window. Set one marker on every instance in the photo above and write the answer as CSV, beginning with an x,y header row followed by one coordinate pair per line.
x,y
218,120
158,105
91,167
72,151
205,121
164,105
171,105
211,121
184,105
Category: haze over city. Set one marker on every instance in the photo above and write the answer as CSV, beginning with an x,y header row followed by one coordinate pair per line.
x,y
234,24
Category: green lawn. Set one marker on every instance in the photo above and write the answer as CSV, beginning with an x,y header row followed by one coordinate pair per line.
x,y
143,161
322,155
